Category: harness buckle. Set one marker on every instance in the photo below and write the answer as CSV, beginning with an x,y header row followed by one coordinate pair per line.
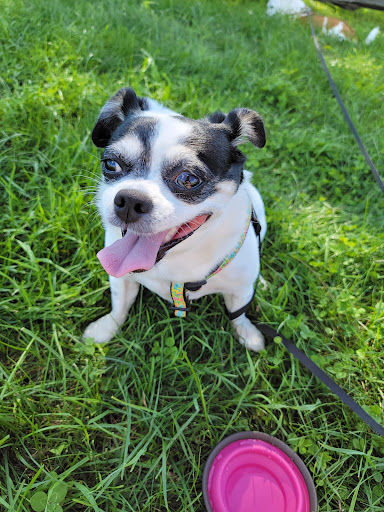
x,y
175,308
256,224
180,312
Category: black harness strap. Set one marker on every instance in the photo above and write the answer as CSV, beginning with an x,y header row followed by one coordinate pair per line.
x,y
235,314
242,310
194,287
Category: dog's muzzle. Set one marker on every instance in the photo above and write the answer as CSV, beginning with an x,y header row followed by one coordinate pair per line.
x,y
138,253
131,205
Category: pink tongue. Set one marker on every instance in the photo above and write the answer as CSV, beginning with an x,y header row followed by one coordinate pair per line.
x,y
131,253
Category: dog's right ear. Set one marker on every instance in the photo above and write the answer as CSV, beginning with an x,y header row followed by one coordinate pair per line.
x,y
114,113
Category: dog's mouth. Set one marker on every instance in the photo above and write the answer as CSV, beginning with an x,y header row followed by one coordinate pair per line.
x,y
138,253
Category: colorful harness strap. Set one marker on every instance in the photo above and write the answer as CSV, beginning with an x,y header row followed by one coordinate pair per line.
x,y
178,293
180,300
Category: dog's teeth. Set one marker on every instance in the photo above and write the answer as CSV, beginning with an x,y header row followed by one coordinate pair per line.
x,y
170,234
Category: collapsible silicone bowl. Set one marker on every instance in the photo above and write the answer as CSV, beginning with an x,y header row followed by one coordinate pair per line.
x,y
255,472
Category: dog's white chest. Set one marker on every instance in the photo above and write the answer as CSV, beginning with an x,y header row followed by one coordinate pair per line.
x,y
243,269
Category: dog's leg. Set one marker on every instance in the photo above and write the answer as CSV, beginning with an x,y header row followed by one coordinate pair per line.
x,y
247,334
123,294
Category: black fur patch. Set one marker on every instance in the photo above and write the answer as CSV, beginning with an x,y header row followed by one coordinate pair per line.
x,y
103,131
144,129
212,148
216,117
243,122
123,103
216,159
215,149
129,100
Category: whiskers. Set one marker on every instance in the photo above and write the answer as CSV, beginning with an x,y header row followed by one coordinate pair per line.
x,y
89,176
93,215
88,206
87,191
90,190
92,154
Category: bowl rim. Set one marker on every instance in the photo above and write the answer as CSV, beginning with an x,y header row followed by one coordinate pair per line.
x,y
240,436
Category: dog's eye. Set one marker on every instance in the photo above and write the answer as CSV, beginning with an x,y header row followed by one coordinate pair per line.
x,y
110,166
187,180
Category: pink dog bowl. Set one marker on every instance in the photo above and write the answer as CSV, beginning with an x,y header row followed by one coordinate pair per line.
x,y
255,472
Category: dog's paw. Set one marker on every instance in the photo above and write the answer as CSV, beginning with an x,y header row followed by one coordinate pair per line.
x,y
247,334
102,330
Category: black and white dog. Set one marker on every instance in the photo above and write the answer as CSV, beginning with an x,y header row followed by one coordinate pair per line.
x,y
175,203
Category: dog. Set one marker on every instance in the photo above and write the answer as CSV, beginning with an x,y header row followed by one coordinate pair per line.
x,y
335,27
175,204
328,24
331,26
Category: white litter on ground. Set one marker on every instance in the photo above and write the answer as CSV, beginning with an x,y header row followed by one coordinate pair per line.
x,y
285,7
372,35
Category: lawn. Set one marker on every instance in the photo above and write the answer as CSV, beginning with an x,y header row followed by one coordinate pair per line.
x,y
128,426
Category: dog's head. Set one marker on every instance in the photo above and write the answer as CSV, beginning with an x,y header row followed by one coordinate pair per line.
x,y
165,175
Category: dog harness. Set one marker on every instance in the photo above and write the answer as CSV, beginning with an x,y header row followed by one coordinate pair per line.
x,y
181,304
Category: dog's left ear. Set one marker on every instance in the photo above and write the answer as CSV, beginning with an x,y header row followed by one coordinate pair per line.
x,y
114,113
242,123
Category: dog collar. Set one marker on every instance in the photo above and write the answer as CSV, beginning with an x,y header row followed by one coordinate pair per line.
x,y
178,290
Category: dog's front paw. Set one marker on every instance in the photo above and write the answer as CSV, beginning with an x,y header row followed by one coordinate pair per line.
x,y
102,330
247,334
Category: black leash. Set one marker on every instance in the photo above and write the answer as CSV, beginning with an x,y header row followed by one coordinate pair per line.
x,y
303,358
288,344
344,110
325,379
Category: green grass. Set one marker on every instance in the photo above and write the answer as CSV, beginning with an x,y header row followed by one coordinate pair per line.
x,y
129,426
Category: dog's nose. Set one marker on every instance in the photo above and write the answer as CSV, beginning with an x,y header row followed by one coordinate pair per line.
x,y
131,205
